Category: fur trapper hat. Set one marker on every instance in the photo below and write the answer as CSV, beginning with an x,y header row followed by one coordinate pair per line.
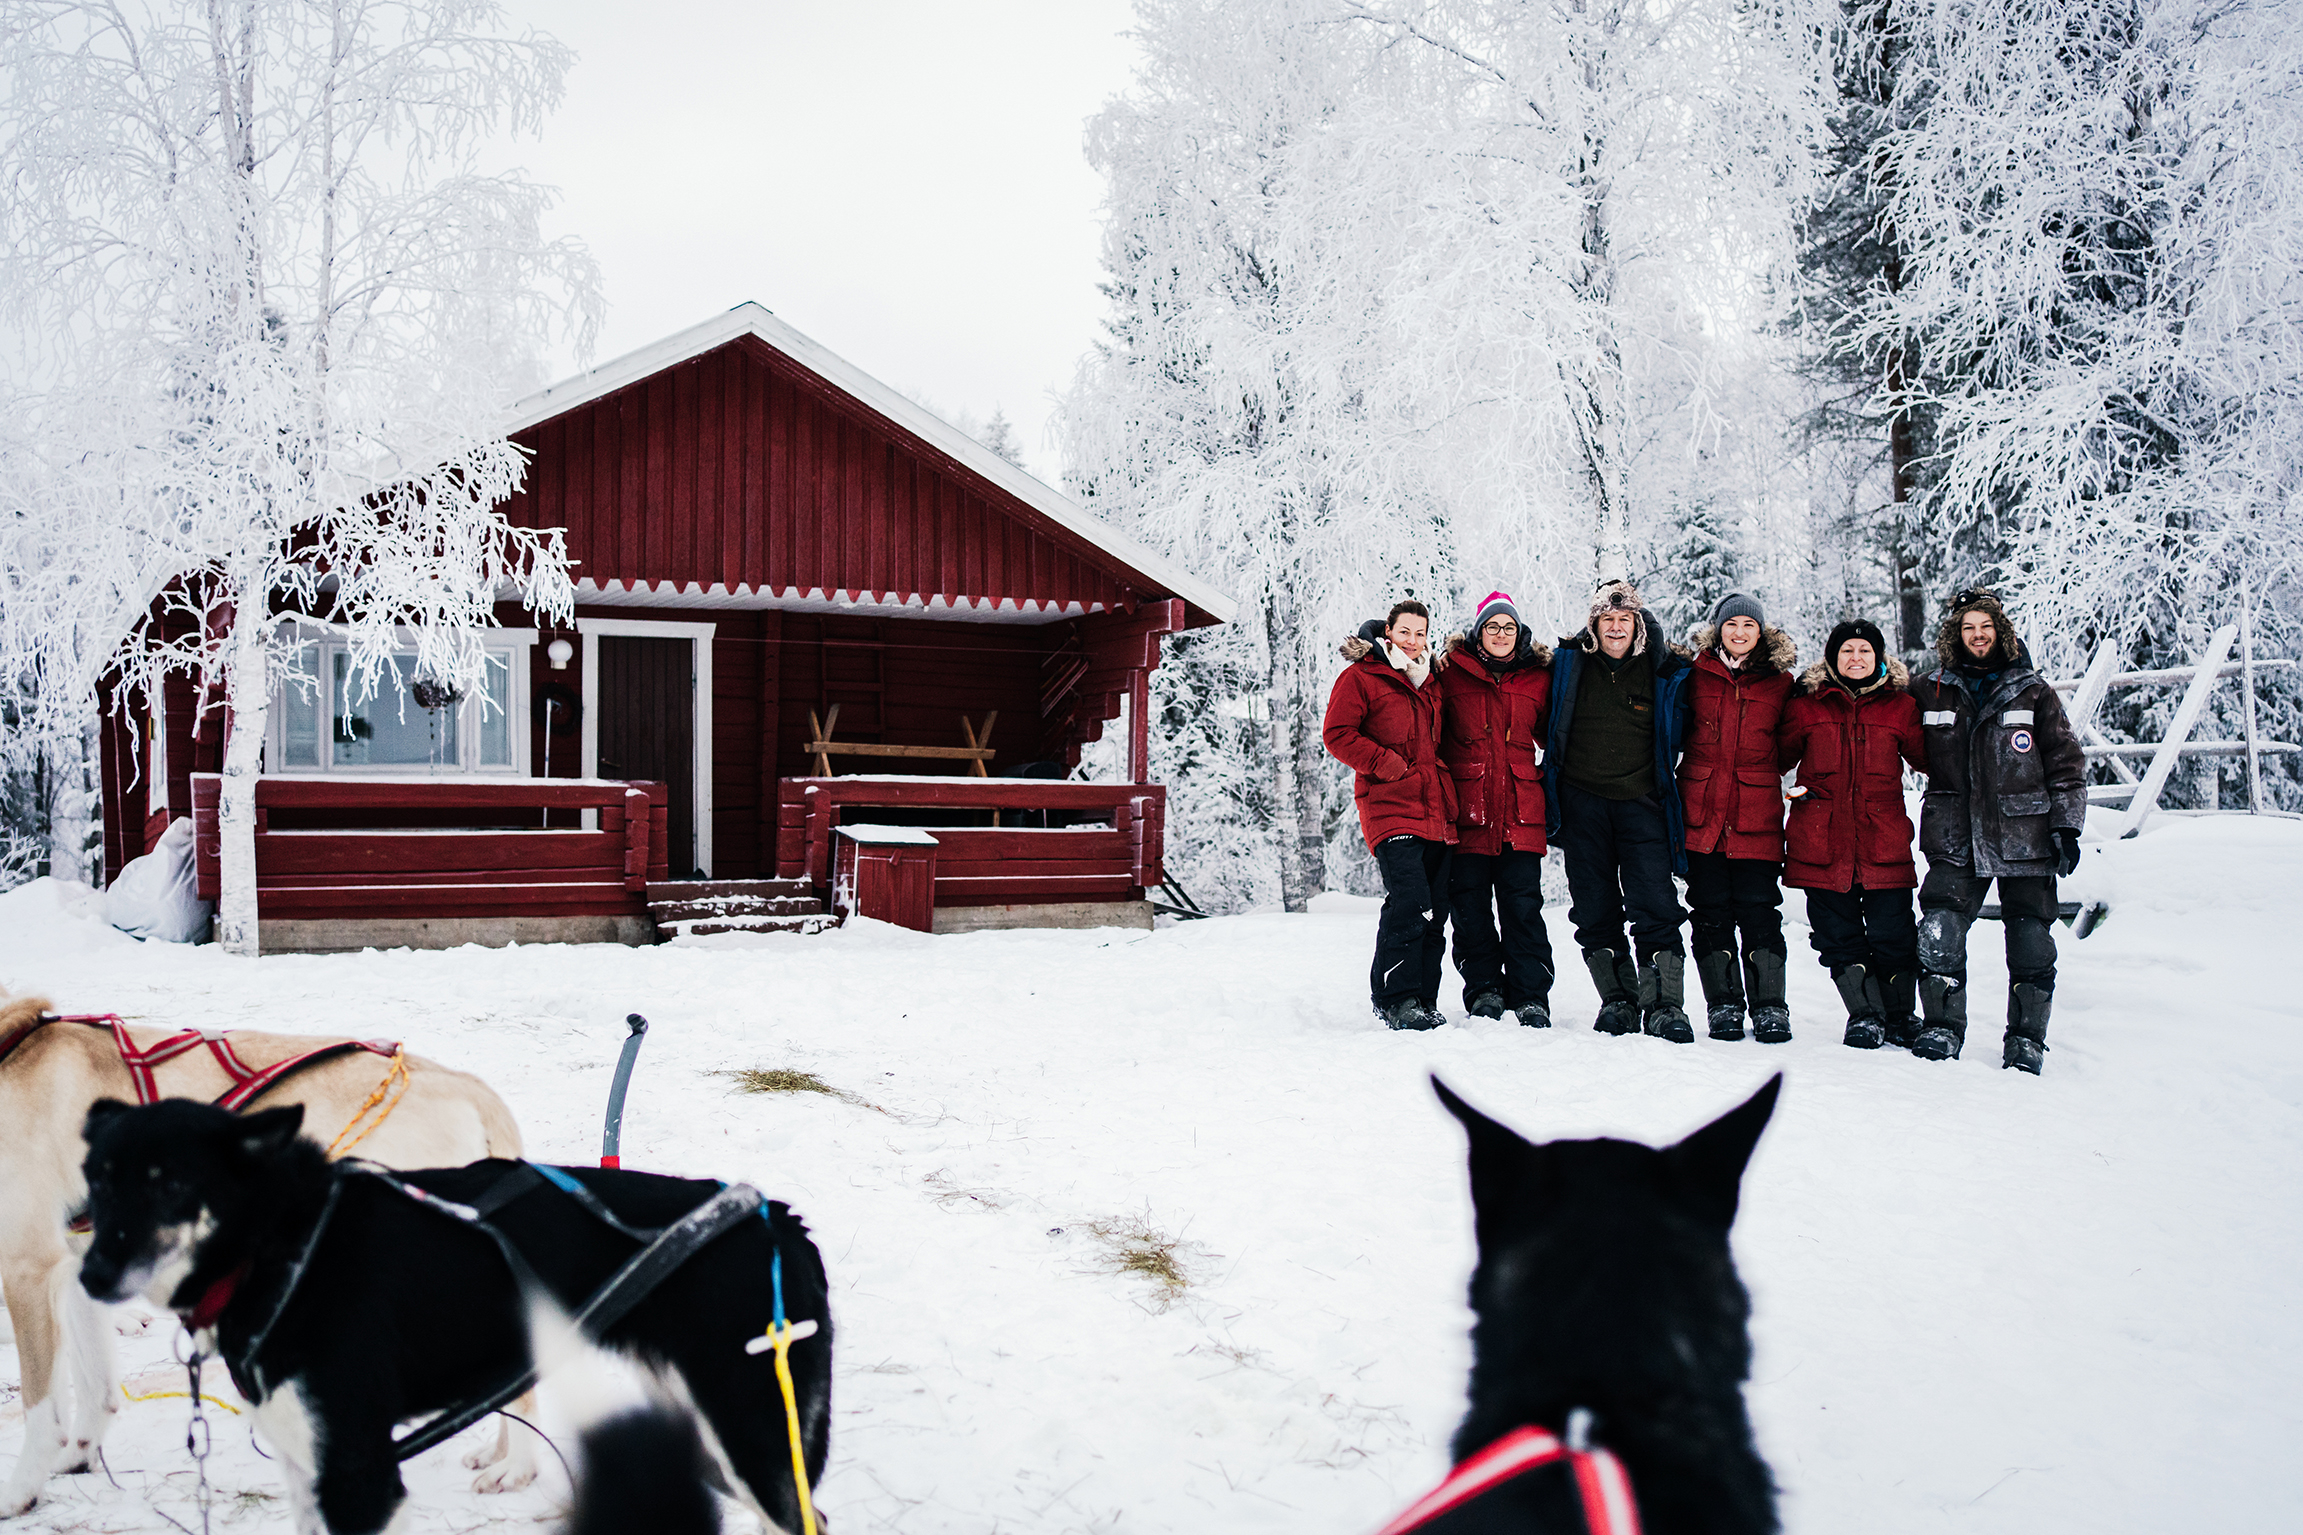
x,y
1948,650
1615,597
1820,676
1774,653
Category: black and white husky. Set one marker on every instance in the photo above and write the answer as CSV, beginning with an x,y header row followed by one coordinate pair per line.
x,y
1611,1339
398,1311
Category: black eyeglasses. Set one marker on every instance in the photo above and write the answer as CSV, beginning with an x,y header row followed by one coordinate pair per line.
x,y
1499,626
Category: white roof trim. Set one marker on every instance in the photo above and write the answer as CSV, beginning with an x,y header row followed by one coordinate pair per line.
x,y
749,319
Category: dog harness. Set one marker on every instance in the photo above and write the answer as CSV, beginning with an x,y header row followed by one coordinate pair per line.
x,y
1600,1484
248,1082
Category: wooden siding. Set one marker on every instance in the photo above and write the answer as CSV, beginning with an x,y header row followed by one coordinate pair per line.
x,y
739,468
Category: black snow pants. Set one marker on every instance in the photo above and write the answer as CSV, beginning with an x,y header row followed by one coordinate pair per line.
x,y
1871,928
1725,894
1481,887
1618,854
1411,931
1950,897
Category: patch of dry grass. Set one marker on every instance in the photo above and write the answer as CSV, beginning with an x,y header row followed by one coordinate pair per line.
x,y
762,1079
947,1191
781,1079
1134,1246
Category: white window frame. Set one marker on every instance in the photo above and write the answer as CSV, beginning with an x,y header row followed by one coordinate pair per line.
x,y
321,640
700,670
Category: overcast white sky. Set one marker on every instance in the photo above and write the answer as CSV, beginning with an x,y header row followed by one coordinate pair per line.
x,y
902,180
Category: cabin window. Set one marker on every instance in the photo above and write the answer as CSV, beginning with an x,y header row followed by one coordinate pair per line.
x,y
327,722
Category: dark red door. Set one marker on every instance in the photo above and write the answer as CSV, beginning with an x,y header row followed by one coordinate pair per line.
x,y
647,706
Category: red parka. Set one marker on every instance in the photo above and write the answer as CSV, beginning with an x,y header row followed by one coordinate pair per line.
x,y
1851,828
1729,784
1386,730
1492,745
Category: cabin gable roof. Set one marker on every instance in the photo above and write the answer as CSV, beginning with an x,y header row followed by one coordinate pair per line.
x,y
899,506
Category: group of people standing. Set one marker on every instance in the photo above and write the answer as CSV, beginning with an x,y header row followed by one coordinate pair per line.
x,y
1642,761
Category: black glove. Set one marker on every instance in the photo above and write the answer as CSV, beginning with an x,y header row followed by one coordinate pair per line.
x,y
2066,853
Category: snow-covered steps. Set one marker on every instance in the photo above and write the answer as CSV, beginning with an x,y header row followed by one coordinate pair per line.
x,y
693,907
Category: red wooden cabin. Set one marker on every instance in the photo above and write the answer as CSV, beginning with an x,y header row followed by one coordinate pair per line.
x,y
772,548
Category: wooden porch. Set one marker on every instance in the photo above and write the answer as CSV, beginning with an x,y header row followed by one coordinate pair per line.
x,y
353,863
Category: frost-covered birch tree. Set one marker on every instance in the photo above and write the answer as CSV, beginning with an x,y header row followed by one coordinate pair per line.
x,y
266,308
2103,205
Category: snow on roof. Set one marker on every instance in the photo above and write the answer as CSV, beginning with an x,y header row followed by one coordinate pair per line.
x,y
750,319
887,836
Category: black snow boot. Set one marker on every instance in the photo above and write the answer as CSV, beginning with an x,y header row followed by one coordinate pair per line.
x,y
1943,1018
1866,1009
2027,1009
1535,1015
1901,992
1770,1015
1488,1004
1409,1013
1722,993
1663,997
1618,986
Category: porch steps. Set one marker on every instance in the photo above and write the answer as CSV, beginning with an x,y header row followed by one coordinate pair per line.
x,y
695,907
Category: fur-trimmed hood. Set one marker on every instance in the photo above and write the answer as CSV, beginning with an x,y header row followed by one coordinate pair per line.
x,y
1819,676
1948,651
1531,651
1776,652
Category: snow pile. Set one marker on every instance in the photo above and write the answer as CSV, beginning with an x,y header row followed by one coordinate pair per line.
x,y
1158,1231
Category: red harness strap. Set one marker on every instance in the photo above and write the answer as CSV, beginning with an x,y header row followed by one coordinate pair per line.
x,y
247,1081
1608,1507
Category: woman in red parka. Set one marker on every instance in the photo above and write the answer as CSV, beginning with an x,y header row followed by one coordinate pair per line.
x,y
1732,793
1383,723
1495,695
1849,733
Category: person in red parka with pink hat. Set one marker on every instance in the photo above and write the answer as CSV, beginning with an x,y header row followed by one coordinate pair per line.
x,y
1850,732
1495,693
1383,724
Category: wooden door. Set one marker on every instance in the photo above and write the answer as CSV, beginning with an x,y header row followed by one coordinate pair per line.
x,y
647,704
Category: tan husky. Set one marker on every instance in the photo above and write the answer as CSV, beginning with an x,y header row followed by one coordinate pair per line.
x,y
429,1117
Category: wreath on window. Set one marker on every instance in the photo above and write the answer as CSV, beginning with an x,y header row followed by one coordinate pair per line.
x,y
432,693
559,708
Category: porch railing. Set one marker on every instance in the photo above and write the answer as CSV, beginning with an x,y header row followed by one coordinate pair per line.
x,y
988,865
429,847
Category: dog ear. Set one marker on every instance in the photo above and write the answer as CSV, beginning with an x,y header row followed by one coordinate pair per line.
x,y
1501,1160
1707,1167
272,1131
101,1113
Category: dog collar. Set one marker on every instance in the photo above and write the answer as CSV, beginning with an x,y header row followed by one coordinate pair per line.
x,y
213,1300
1600,1484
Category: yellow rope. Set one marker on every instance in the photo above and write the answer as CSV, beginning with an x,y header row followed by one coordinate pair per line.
x,y
155,1396
781,1338
395,1074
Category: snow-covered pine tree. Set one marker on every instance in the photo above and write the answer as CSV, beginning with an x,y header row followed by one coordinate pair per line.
x,y
1700,564
999,435
268,306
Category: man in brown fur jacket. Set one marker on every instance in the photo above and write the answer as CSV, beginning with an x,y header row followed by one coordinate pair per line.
x,y
2006,798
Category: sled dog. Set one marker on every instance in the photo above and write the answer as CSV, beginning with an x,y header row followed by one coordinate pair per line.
x,y
1608,1318
50,1073
346,1301
639,1462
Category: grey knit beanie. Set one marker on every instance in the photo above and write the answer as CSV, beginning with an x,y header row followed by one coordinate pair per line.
x,y
1738,605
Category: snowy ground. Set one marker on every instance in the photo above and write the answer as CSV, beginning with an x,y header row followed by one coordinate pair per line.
x,y
1984,1302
